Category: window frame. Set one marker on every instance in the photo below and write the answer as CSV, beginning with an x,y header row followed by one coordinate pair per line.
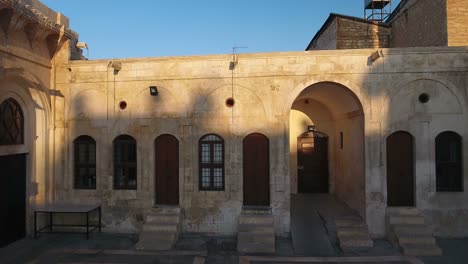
x,y
211,165
7,139
129,144
451,187
89,142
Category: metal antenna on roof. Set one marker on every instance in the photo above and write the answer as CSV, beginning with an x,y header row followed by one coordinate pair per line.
x,y
232,66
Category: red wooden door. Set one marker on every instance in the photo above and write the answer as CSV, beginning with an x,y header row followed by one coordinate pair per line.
x,y
400,169
312,163
167,170
256,158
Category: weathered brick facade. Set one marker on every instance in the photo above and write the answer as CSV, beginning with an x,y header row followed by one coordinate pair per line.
x,y
420,23
414,23
457,22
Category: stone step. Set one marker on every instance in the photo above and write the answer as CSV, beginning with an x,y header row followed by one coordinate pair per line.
x,y
156,241
422,250
343,231
165,210
402,230
247,237
161,227
416,240
256,219
357,242
256,247
403,211
257,229
350,222
163,218
406,220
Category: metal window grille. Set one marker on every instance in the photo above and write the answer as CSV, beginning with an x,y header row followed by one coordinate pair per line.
x,y
211,163
449,169
11,123
125,163
84,163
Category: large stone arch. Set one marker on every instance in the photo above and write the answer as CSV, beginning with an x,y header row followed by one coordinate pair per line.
x,y
347,108
33,97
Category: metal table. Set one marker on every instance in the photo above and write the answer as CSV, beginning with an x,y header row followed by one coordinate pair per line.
x,y
67,209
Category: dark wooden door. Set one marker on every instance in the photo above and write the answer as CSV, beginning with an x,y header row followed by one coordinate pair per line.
x,y
167,170
312,163
256,159
12,198
400,169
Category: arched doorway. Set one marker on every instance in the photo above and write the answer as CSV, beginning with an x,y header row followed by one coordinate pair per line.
x,y
400,169
256,161
335,111
13,174
312,162
166,170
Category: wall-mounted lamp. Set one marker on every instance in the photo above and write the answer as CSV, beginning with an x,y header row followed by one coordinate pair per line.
x,y
233,63
153,90
116,65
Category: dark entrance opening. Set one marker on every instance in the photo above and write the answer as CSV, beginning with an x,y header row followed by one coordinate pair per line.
x,y
312,162
166,170
400,169
256,158
12,198
449,171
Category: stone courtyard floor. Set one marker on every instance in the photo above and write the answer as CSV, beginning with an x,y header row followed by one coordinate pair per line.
x,y
119,248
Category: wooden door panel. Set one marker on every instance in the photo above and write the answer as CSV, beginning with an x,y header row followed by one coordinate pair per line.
x,y
312,161
256,171
167,170
400,169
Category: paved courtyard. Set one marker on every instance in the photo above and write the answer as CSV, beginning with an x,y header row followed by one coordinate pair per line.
x,y
119,248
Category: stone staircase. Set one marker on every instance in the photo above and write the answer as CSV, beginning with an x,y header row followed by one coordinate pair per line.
x,y
406,228
161,229
352,233
256,232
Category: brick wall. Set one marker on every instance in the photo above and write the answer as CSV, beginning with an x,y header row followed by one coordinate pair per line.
x,y
421,23
457,22
326,41
361,35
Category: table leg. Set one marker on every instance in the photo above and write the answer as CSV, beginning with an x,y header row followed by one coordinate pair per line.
x,y
51,221
87,225
35,224
99,209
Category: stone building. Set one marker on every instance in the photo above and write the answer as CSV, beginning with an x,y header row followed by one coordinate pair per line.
x,y
377,116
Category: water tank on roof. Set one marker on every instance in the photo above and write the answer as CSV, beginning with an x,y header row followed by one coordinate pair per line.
x,y
377,10
376,4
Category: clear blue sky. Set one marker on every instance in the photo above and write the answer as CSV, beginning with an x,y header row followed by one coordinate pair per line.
x,y
148,28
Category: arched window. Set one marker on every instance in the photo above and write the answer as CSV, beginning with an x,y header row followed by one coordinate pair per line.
x,y
449,171
84,162
211,163
125,163
11,123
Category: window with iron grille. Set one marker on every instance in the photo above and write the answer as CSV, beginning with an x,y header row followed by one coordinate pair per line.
x,y
211,163
11,123
84,163
125,163
449,170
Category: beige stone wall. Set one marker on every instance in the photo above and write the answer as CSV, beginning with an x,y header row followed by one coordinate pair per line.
x,y
358,35
457,22
191,103
421,23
